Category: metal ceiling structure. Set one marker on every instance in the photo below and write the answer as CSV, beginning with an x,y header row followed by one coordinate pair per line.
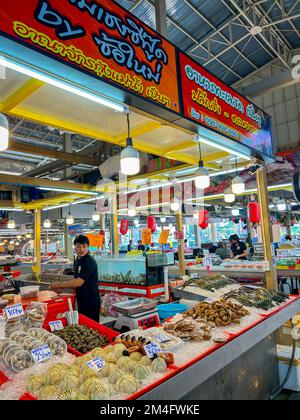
x,y
230,38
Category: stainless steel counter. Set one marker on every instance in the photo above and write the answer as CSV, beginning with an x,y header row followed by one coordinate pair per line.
x,y
188,380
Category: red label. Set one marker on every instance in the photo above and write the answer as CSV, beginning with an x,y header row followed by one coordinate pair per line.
x,y
100,38
213,104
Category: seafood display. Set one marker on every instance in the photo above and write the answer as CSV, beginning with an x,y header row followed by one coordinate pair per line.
x,y
257,297
220,313
189,329
123,270
82,338
166,341
211,282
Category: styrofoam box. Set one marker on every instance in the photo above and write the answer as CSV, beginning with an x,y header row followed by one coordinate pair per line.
x,y
284,354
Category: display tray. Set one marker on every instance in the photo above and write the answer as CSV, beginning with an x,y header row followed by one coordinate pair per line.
x,y
274,311
83,320
3,379
27,397
135,306
180,293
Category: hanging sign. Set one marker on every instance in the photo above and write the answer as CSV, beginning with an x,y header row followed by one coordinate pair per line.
x,y
99,38
146,236
209,102
96,240
164,236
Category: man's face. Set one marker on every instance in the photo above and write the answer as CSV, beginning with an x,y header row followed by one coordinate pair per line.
x,y
81,250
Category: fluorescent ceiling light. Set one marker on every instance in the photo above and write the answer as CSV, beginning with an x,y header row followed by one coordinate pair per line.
x,y
223,148
10,173
10,209
62,85
68,191
56,207
88,200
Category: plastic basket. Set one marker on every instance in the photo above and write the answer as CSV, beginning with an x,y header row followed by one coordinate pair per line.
x,y
27,397
3,379
170,309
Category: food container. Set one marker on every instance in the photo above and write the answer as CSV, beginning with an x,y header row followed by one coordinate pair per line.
x,y
58,347
4,342
9,351
9,297
21,360
18,336
39,333
135,306
29,292
35,344
13,325
3,303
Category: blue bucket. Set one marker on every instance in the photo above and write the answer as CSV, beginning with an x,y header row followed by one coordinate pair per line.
x,y
170,309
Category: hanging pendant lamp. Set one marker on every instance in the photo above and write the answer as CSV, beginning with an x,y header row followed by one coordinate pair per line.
x,y
202,179
70,218
130,158
238,184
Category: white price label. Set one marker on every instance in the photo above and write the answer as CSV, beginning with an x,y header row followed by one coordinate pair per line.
x,y
152,349
14,311
41,354
162,338
56,326
97,364
194,275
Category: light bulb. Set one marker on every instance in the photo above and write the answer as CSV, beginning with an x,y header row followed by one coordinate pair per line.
x,y
19,237
175,205
12,242
170,226
229,197
136,222
119,225
196,215
235,211
132,212
163,220
17,243
48,240
96,217
130,159
11,224
47,224
281,205
202,179
4,133
69,219
28,236
238,185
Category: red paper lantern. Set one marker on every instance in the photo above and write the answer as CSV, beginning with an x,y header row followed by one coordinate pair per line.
x,y
254,212
151,222
124,226
203,219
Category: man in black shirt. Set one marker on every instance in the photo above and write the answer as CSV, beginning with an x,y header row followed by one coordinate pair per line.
x,y
85,280
238,248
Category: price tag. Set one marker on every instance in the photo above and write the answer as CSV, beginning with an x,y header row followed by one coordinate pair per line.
x,y
97,364
41,354
14,311
161,338
56,326
152,349
194,275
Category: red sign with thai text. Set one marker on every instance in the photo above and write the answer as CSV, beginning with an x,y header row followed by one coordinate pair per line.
x,y
208,101
100,38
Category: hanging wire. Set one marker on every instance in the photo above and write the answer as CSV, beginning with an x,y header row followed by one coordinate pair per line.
x,y
236,166
200,151
128,124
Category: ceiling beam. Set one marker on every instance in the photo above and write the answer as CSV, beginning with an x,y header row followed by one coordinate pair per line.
x,y
53,201
74,158
21,94
46,183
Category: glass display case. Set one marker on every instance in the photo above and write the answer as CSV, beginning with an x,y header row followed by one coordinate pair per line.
x,y
122,270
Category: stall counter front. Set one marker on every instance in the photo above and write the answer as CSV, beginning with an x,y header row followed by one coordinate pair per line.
x,y
246,367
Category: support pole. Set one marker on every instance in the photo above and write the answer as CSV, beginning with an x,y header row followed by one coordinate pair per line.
x,y
179,227
37,244
214,233
197,235
114,226
266,228
161,17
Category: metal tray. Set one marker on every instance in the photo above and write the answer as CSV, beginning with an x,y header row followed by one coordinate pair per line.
x,y
180,293
135,306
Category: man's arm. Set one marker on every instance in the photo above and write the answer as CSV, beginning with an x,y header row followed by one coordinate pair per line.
x,y
70,284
